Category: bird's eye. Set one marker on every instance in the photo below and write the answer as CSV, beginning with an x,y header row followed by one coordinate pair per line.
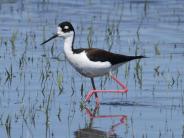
x,y
66,27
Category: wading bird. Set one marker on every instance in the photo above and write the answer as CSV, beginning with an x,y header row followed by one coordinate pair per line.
x,y
91,62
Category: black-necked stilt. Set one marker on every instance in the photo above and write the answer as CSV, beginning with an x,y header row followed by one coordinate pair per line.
x,y
91,62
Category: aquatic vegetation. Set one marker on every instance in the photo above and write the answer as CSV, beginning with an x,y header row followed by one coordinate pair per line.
x,y
138,30
47,105
90,37
59,82
127,70
146,2
110,35
42,96
12,41
157,50
157,72
138,74
8,126
1,41
9,74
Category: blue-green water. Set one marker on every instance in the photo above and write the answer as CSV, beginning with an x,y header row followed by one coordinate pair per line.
x,y
41,94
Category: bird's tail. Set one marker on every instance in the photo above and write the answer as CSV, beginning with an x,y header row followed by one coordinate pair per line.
x,y
129,58
138,57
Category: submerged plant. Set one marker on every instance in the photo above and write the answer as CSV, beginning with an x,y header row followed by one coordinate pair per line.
x,y
12,41
8,126
9,74
157,50
138,74
48,103
90,37
59,82
109,35
157,71
145,7
138,29
127,70
1,41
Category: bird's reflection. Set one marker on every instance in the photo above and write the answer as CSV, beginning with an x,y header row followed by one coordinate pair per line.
x,y
90,132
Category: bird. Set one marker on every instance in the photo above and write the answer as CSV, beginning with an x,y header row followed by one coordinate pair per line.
x,y
91,62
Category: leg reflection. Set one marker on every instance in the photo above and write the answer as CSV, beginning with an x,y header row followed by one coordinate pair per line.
x,y
90,131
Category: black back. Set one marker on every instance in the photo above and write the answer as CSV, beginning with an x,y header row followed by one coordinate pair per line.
x,y
95,54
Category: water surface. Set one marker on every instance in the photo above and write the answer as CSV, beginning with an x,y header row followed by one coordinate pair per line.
x,y
41,94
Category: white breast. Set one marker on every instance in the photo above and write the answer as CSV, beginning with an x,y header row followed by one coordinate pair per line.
x,y
87,67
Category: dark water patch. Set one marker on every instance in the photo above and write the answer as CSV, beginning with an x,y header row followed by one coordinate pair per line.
x,y
124,103
136,104
172,102
93,133
144,1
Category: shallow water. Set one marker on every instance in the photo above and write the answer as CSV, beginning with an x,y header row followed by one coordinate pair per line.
x,y
41,94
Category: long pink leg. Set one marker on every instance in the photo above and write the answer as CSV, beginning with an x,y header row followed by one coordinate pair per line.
x,y
123,90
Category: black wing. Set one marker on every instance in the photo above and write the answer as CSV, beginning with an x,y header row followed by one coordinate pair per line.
x,y
95,54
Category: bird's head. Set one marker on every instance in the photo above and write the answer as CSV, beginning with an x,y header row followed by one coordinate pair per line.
x,y
64,29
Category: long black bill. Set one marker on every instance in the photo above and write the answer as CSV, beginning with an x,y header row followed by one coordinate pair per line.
x,y
54,36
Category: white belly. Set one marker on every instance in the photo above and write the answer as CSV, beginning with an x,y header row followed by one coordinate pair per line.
x,y
86,67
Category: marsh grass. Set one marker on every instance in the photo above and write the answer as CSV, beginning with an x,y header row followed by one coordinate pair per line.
x,y
34,79
157,50
110,35
90,36
138,73
8,126
59,79
9,74
13,40
146,7
1,41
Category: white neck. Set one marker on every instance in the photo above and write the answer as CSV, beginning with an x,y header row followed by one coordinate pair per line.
x,y
68,45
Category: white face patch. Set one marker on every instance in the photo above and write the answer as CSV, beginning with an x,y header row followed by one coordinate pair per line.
x,y
59,29
66,27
